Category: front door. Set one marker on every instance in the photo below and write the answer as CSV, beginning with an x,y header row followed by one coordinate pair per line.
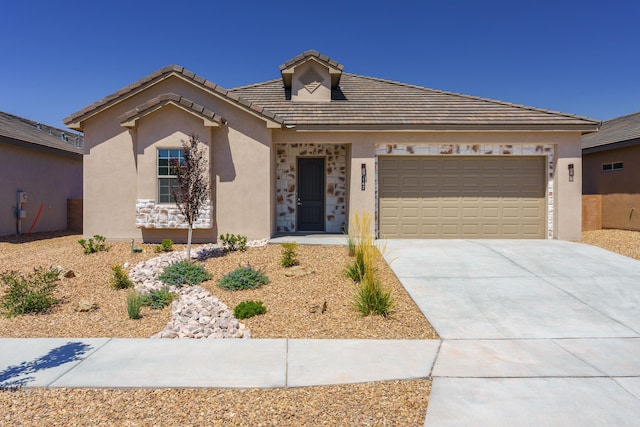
x,y
310,194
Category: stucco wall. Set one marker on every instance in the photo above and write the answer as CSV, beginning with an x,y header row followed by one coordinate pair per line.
x,y
625,181
121,167
48,179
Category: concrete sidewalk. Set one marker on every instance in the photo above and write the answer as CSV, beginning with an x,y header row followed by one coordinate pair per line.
x,y
186,363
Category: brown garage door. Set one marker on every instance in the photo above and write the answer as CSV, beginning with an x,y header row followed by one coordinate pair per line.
x,y
461,197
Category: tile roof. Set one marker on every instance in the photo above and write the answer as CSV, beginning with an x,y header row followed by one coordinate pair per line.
x,y
369,101
153,104
360,102
28,133
616,130
311,54
74,120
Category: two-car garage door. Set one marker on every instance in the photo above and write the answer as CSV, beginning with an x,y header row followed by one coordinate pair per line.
x,y
462,196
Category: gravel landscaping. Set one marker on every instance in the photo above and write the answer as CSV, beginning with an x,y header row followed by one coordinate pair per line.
x,y
624,242
294,310
292,302
290,314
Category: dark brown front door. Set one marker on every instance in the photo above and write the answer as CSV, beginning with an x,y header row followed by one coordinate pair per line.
x,y
310,194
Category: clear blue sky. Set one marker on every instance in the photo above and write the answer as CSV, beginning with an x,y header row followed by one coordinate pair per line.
x,y
579,57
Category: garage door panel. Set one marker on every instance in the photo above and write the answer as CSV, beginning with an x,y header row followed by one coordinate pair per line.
x,y
468,197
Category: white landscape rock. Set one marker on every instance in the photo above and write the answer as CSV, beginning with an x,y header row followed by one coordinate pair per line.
x,y
195,313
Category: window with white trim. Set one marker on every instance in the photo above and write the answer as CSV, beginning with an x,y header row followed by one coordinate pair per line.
x,y
166,176
615,166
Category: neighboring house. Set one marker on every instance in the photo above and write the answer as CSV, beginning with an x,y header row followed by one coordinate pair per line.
x,y
611,169
45,163
304,152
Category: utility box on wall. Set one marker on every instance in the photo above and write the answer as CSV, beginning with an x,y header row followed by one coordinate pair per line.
x,y
22,197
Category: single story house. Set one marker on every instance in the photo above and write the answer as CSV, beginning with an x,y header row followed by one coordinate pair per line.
x,y
304,152
41,176
611,173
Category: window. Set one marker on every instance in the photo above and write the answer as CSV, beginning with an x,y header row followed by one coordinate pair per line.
x,y
608,167
166,178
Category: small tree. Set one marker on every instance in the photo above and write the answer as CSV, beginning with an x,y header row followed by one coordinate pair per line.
x,y
192,189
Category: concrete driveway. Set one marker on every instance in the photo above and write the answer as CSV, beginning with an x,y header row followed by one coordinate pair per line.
x,y
537,332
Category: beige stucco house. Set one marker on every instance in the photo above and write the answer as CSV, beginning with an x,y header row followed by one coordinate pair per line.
x,y
41,177
303,152
611,173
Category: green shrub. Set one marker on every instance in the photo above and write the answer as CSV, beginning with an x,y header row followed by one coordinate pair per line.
x,y
356,270
351,245
243,278
94,244
231,242
371,298
184,273
120,278
165,246
159,298
289,254
31,294
135,301
247,309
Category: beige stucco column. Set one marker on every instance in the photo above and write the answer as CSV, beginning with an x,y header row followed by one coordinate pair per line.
x,y
568,200
360,200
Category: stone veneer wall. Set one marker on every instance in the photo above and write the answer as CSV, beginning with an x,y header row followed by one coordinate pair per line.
x,y
336,184
546,150
151,215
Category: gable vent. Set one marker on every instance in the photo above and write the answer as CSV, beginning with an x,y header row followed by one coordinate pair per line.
x,y
311,80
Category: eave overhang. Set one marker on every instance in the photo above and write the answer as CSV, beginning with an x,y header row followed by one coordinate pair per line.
x,y
581,128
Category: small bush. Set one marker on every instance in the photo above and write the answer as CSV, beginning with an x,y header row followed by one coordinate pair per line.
x,y
94,244
351,245
231,242
356,270
135,301
371,298
120,278
243,278
184,273
159,298
247,309
289,254
31,294
165,246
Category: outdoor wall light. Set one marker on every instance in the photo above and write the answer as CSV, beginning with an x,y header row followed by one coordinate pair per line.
x,y
364,176
571,172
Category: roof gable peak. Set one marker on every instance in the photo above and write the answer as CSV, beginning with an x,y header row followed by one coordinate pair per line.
x,y
75,121
288,68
